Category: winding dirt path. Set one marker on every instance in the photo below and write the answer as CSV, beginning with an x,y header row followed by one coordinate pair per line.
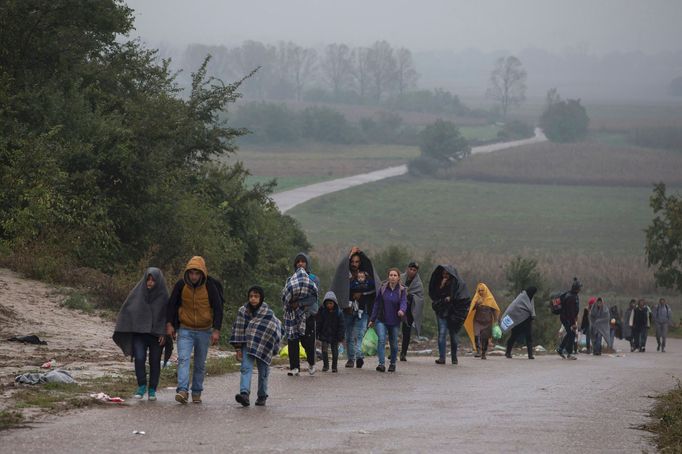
x,y
289,199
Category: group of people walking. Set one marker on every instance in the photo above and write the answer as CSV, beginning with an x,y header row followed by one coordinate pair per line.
x,y
151,319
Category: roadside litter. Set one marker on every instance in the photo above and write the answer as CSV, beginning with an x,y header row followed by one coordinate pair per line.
x,y
50,364
28,340
540,348
106,398
139,432
54,376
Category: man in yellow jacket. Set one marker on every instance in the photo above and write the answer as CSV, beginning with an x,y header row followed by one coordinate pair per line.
x,y
195,315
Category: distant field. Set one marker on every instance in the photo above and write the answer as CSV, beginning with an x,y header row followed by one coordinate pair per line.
x,y
586,163
595,232
476,216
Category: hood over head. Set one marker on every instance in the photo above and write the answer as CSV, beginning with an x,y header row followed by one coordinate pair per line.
x,y
196,263
531,291
305,257
459,287
330,296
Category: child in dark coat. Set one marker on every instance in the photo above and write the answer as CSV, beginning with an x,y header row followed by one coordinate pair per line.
x,y
330,330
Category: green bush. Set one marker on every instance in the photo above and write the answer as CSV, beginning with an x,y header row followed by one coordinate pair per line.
x,y
78,301
565,121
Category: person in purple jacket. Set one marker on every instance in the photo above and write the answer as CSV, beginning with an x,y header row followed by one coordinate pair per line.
x,y
389,308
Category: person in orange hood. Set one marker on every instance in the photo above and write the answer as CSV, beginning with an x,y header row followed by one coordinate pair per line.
x,y
195,315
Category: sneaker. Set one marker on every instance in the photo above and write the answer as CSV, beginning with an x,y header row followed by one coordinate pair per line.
x,y
643,350
359,363
391,367
573,357
531,357
312,369
403,358
152,394
560,352
196,398
440,361
483,356
477,355
139,394
508,355
381,368
181,396
293,372
260,402
243,399
658,348
325,368
335,370
454,361
350,364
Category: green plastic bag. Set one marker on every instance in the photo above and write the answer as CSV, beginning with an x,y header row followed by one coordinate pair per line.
x,y
497,332
370,342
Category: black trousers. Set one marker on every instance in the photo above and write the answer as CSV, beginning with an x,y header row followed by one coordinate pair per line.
x,y
407,333
522,329
335,354
142,343
568,342
308,342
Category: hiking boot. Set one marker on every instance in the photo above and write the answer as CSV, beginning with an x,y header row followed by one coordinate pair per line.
x,y
454,361
139,394
531,357
440,361
508,355
181,396
560,352
325,368
350,364
381,368
152,394
243,399
312,369
260,402
483,356
391,367
196,398
293,372
359,363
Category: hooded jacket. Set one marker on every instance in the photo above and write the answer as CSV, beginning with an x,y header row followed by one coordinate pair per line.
x,y
143,312
196,306
455,310
309,304
330,327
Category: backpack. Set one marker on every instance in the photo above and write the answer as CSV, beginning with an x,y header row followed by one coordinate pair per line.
x,y
556,301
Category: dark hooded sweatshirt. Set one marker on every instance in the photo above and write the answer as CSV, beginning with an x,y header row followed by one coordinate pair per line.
x,y
330,326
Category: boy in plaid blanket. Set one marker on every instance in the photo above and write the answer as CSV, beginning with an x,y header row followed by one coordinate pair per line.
x,y
256,334
300,303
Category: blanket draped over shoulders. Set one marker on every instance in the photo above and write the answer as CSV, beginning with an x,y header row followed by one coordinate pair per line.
x,y
261,332
520,310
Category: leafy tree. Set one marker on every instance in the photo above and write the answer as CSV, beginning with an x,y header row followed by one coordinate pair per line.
x,y
507,84
564,121
664,238
522,273
443,142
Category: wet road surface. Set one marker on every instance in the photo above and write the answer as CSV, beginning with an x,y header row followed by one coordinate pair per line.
x,y
498,405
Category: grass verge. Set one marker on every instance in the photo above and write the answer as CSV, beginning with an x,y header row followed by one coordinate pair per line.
x,y
667,421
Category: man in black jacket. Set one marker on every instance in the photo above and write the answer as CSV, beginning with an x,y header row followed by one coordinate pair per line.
x,y
569,316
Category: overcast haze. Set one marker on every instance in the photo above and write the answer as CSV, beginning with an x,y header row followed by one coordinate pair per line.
x,y
595,27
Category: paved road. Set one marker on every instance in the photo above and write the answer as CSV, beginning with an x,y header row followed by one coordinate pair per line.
x,y
498,405
288,199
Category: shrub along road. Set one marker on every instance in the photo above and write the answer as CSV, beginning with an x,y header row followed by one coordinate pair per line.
x,y
594,404
289,199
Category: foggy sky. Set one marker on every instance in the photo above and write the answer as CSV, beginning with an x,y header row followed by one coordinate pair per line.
x,y
587,26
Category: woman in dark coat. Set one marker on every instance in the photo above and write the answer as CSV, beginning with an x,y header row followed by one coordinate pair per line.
x,y
450,301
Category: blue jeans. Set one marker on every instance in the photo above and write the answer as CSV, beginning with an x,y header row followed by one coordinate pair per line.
x,y
247,371
443,332
355,328
142,343
382,331
188,340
